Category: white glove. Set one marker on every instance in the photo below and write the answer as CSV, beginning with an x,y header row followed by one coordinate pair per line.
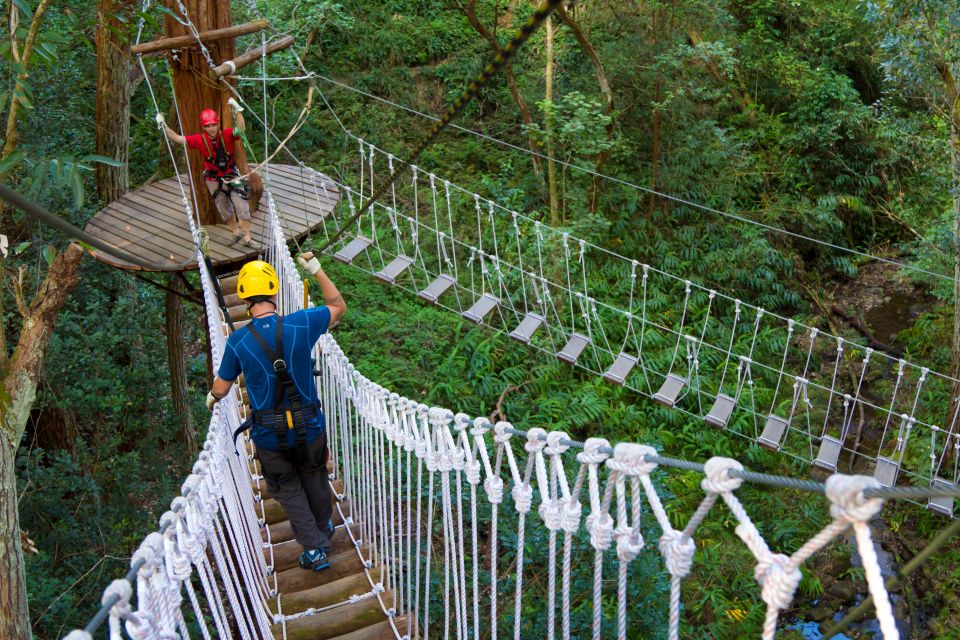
x,y
234,105
161,119
211,400
312,266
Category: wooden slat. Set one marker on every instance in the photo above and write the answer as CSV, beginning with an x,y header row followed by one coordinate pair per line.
x,y
286,556
341,565
378,631
335,622
158,227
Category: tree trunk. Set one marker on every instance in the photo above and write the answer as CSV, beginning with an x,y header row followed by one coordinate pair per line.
x,y
490,37
175,361
14,613
955,169
20,390
605,91
195,91
655,149
548,127
114,90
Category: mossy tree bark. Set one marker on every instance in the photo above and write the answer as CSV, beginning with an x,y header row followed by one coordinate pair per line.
x,y
20,375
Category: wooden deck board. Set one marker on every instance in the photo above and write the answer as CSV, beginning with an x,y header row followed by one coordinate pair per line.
x,y
151,222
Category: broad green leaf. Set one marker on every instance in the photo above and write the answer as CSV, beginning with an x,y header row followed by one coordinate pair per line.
x,y
24,7
113,162
77,186
20,248
49,253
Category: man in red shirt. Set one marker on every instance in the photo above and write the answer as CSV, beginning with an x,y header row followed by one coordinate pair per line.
x,y
222,177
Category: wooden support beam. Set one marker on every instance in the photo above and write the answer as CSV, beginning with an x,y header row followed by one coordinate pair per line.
x,y
178,42
252,55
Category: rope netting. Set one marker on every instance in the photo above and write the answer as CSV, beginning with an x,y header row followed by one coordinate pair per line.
x,y
431,502
784,385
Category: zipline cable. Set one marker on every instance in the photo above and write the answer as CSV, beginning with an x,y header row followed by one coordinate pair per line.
x,y
499,61
37,212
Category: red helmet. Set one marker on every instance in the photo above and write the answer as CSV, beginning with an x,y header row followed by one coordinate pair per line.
x,y
209,116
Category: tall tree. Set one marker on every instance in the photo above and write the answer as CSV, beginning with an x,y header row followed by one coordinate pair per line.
x,y
20,374
548,123
117,80
605,90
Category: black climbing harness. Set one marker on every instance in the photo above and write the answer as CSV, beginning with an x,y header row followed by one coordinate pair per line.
x,y
296,414
226,173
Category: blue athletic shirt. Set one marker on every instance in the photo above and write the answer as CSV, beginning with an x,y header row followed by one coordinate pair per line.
x,y
243,354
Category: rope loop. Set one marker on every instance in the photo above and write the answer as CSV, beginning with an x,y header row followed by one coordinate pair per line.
x,y
124,591
677,551
552,514
631,459
594,451
847,502
472,469
480,427
572,511
718,480
501,432
536,440
555,445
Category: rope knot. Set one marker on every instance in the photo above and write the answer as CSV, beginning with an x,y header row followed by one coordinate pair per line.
x,y
847,502
778,580
572,510
594,451
480,426
522,497
600,526
677,552
501,435
552,514
494,488
629,543
631,459
124,591
717,471
473,471
461,421
536,440
555,446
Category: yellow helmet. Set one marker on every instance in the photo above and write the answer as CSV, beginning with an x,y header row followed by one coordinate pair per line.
x,y
257,278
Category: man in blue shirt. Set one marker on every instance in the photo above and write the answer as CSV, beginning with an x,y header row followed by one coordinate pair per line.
x,y
289,430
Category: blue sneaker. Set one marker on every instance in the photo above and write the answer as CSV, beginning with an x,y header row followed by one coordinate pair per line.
x,y
314,560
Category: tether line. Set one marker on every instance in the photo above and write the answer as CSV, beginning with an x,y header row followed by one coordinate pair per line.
x,y
499,61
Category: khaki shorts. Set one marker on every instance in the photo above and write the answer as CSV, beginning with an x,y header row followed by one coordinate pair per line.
x,y
229,207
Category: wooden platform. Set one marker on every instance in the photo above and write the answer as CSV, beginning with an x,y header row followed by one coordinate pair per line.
x,y
150,223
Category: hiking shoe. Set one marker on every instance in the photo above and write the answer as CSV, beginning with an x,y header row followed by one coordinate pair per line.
x,y
234,240
314,560
248,242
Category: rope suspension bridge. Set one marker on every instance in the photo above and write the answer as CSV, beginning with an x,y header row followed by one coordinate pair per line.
x,y
429,500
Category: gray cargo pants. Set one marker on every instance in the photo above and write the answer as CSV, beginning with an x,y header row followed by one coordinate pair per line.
x,y
306,496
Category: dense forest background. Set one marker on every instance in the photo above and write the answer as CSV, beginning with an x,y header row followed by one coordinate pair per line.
x,y
836,120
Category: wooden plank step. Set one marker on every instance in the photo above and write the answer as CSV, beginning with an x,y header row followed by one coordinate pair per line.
x,y
274,514
282,531
232,299
285,556
341,565
336,622
238,313
228,285
264,490
378,631
325,595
